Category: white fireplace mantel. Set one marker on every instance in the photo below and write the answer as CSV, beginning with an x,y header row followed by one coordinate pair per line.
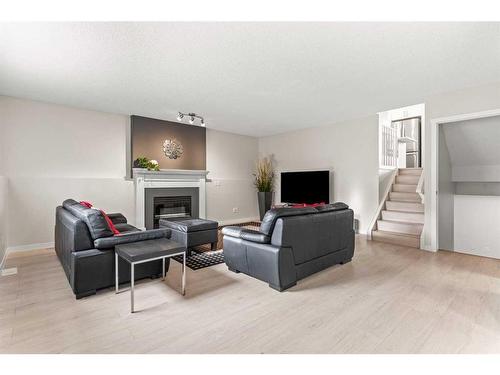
x,y
167,178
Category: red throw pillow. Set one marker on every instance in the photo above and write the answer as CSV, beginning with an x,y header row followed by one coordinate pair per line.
x,y
106,217
86,204
110,223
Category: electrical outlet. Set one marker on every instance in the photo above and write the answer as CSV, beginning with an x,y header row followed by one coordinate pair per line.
x,y
236,210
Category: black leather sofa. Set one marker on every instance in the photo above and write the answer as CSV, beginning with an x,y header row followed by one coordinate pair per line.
x,y
84,244
292,243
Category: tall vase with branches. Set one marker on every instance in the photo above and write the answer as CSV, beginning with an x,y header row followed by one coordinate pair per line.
x,y
264,182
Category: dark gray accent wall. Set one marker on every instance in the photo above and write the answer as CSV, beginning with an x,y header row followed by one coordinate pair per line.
x,y
147,136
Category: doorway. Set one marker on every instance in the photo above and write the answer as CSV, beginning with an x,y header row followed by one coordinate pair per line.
x,y
465,181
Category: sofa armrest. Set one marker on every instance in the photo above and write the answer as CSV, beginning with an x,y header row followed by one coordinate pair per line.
x,y
246,234
117,218
152,234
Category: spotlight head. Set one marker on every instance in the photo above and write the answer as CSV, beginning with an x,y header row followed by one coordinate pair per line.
x,y
179,116
191,120
202,122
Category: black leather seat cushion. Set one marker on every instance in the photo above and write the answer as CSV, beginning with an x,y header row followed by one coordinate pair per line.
x,y
189,225
132,236
246,234
124,228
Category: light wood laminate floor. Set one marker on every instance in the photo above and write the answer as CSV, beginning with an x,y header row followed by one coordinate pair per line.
x,y
389,299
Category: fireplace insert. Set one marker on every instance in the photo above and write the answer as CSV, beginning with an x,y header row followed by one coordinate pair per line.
x,y
171,208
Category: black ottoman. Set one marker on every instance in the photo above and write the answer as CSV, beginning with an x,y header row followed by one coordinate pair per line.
x,y
192,232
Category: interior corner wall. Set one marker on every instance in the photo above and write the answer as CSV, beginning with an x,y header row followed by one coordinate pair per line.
x,y
349,149
470,100
446,189
54,152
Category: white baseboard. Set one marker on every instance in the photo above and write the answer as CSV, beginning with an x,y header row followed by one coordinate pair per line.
x,y
2,263
33,246
239,221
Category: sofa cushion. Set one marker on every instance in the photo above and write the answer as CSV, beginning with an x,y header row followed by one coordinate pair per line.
x,y
274,214
189,225
117,218
95,220
111,242
124,228
246,234
337,206
110,223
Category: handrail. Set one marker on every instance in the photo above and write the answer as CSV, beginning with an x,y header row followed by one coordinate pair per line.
x,y
420,186
382,203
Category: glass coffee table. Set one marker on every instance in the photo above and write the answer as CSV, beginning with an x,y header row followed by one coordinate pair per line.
x,y
148,251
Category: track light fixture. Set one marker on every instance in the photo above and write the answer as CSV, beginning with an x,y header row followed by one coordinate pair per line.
x,y
192,117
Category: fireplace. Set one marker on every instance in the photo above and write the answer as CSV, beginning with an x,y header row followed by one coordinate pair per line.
x,y
166,184
171,208
171,204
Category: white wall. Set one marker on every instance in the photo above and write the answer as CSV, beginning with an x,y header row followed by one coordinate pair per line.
x,y
3,197
465,101
476,225
231,161
477,188
384,180
3,218
349,148
55,152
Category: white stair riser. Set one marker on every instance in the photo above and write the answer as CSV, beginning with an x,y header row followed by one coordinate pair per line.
x,y
404,206
406,197
407,179
395,239
404,188
410,171
406,217
397,227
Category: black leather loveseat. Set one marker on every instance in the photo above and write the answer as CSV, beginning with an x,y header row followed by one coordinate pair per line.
x,y
292,243
85,244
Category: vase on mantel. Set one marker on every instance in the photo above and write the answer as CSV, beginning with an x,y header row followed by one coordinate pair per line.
x,y
265,201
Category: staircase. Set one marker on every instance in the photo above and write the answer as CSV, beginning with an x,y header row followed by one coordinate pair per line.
x,y
401,219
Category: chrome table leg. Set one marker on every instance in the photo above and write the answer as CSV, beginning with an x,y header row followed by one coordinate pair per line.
x,y
116,273
132,276
184,274
163,273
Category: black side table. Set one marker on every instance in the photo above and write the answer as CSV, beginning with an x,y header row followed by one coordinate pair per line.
x,y
147,251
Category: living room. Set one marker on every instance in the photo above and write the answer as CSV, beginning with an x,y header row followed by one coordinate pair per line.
x,y
167,188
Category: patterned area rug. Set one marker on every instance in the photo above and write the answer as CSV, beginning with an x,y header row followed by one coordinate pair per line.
x,y
202,256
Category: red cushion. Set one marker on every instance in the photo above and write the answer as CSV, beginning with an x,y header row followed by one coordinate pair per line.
x,y
108,220
86,204
301,205
110,223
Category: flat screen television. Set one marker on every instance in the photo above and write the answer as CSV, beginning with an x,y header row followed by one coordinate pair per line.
x,y
305,187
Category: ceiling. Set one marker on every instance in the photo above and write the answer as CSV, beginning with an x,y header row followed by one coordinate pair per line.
x,y
473,142
249,78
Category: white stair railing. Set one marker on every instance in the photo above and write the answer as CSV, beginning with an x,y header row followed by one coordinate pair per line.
x,y
388,157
